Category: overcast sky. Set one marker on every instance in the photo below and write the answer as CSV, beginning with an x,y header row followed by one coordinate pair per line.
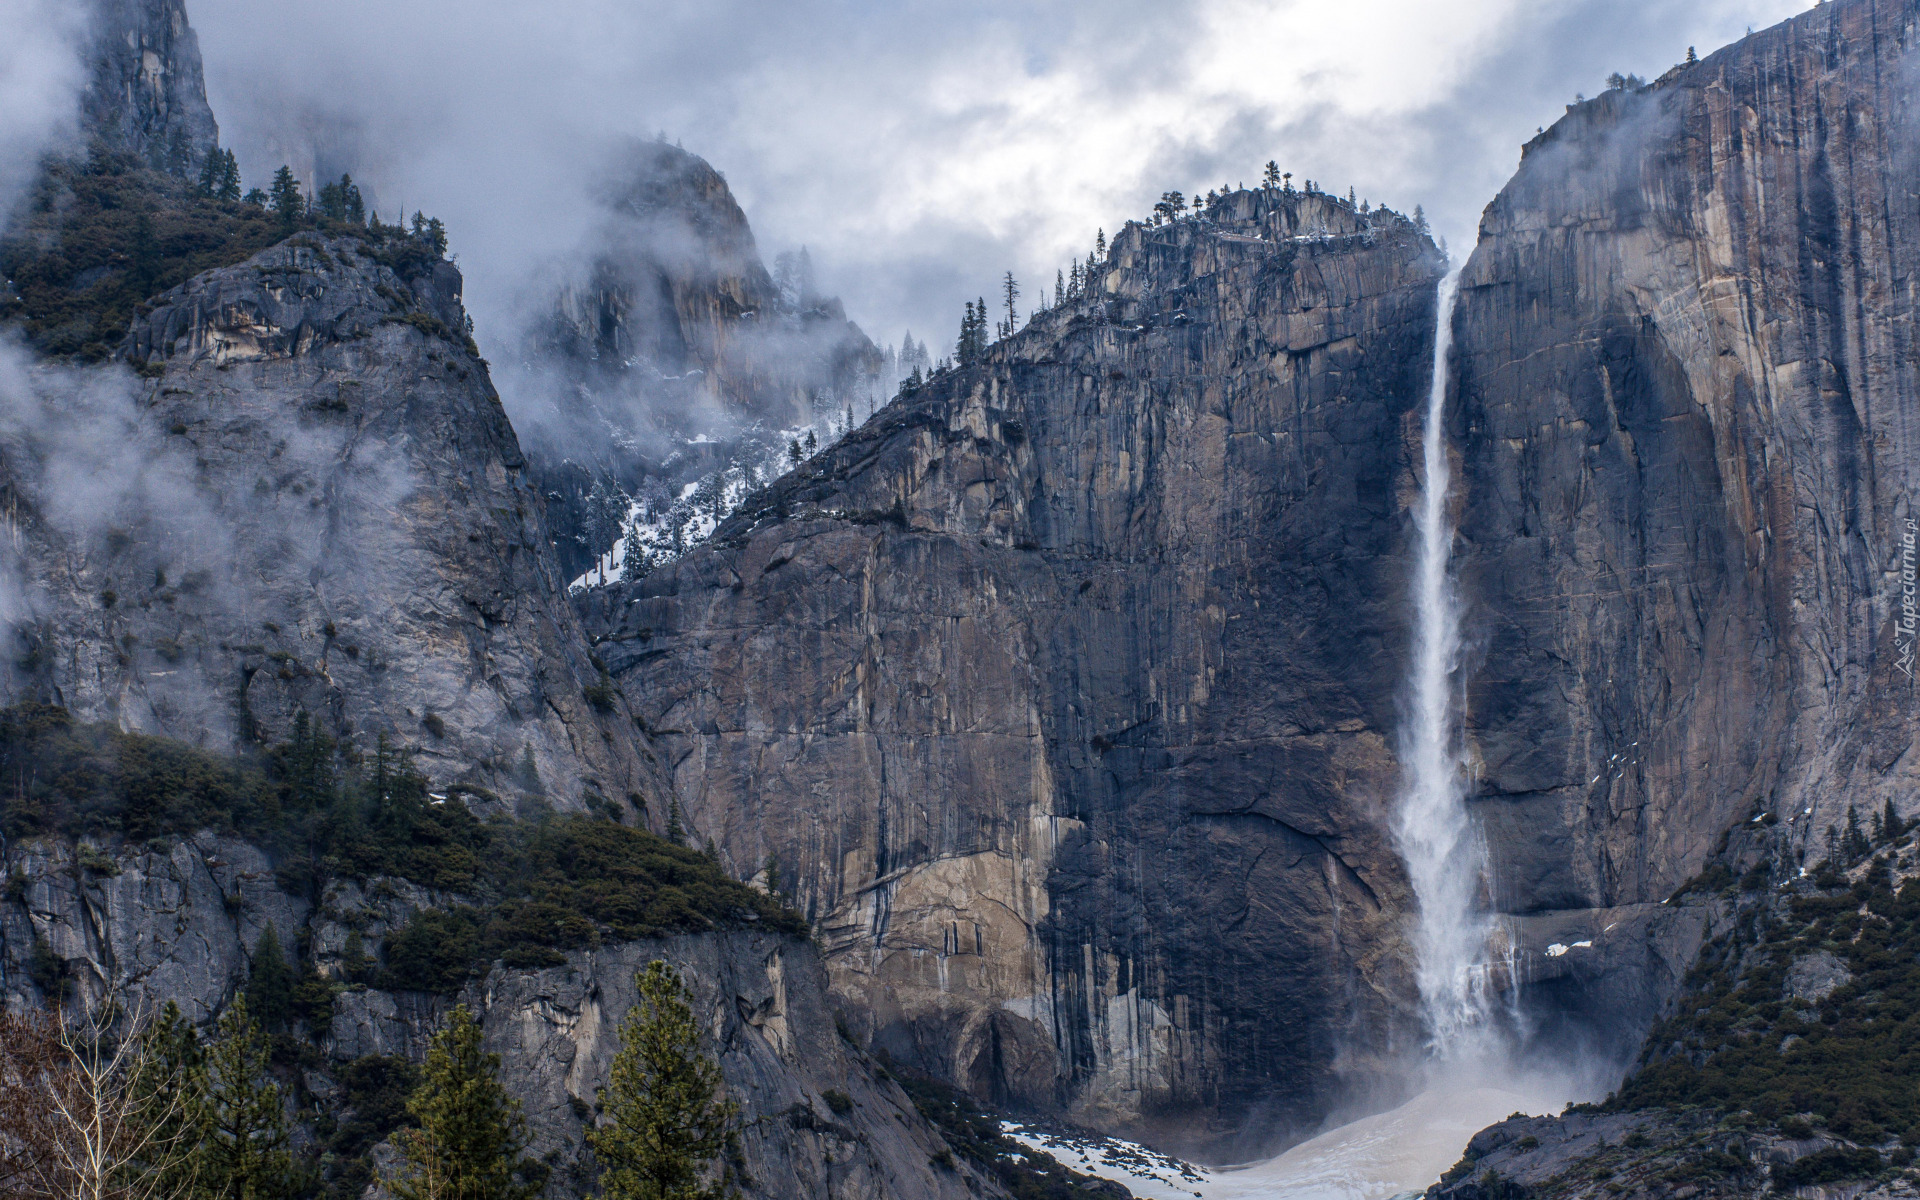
x,y
918,149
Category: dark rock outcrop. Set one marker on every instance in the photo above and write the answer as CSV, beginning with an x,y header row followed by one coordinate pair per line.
x,y
147,926
314,502
145,94
1061,691
1685,424
1664,1155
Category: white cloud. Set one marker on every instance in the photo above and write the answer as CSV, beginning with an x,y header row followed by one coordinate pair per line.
x,y
919,149
40,80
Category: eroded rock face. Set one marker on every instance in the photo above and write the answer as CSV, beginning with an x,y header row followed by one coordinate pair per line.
x,y
764,1000
314,502
1062,691
148,926
1684,421
672,353
146,95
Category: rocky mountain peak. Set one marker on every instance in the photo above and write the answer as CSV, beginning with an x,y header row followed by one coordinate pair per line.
x,y
146,95
1053,618
313,502
674,358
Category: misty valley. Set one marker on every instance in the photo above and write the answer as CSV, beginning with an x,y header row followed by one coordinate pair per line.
x,y
1285,709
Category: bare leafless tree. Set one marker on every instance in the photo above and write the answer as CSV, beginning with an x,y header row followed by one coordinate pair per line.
x,y
32,1064
76,1122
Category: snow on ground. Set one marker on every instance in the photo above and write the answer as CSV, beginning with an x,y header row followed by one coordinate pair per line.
x,y
658,532
1393,1155
1146,1173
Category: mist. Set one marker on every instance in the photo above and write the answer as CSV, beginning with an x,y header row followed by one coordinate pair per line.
x,y
918,151
41,73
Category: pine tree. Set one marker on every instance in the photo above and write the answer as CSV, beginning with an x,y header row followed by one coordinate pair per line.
x,y
168,1094
812,443
1854,841
664,1124
212,171
973,334
1011,292
803,277
229,187
284,198
1100,244
179,159
1891,825
469,1133
772,872
270,982
1271,177
1059,286
307,764
245,1154
356,204
676,829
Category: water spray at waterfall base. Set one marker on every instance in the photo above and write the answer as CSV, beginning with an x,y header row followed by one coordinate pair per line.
x,y
1444,856
1472,1072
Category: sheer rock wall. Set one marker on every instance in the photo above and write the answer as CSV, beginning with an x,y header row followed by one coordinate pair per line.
x,y
1061,691
1685,416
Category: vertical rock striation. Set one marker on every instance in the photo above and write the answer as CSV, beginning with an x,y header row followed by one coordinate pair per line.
x,y
1686,422
313,501
1061,691
146,95
818,1120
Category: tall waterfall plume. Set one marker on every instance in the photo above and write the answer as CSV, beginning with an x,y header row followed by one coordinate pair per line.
x,y
1445,858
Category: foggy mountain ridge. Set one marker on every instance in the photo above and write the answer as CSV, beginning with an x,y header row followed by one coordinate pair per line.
x,y
667,357
1009,730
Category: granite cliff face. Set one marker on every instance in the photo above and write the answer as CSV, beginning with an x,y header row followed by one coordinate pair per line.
x,y
182,925
1064,691
671,353
306,497
1062,694
1684,418
313,501
146,95
1061,691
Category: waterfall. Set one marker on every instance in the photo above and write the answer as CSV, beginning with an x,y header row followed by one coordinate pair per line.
x,y
1445,859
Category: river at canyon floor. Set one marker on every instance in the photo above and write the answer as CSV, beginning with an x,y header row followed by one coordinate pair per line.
x,y
1397,1153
